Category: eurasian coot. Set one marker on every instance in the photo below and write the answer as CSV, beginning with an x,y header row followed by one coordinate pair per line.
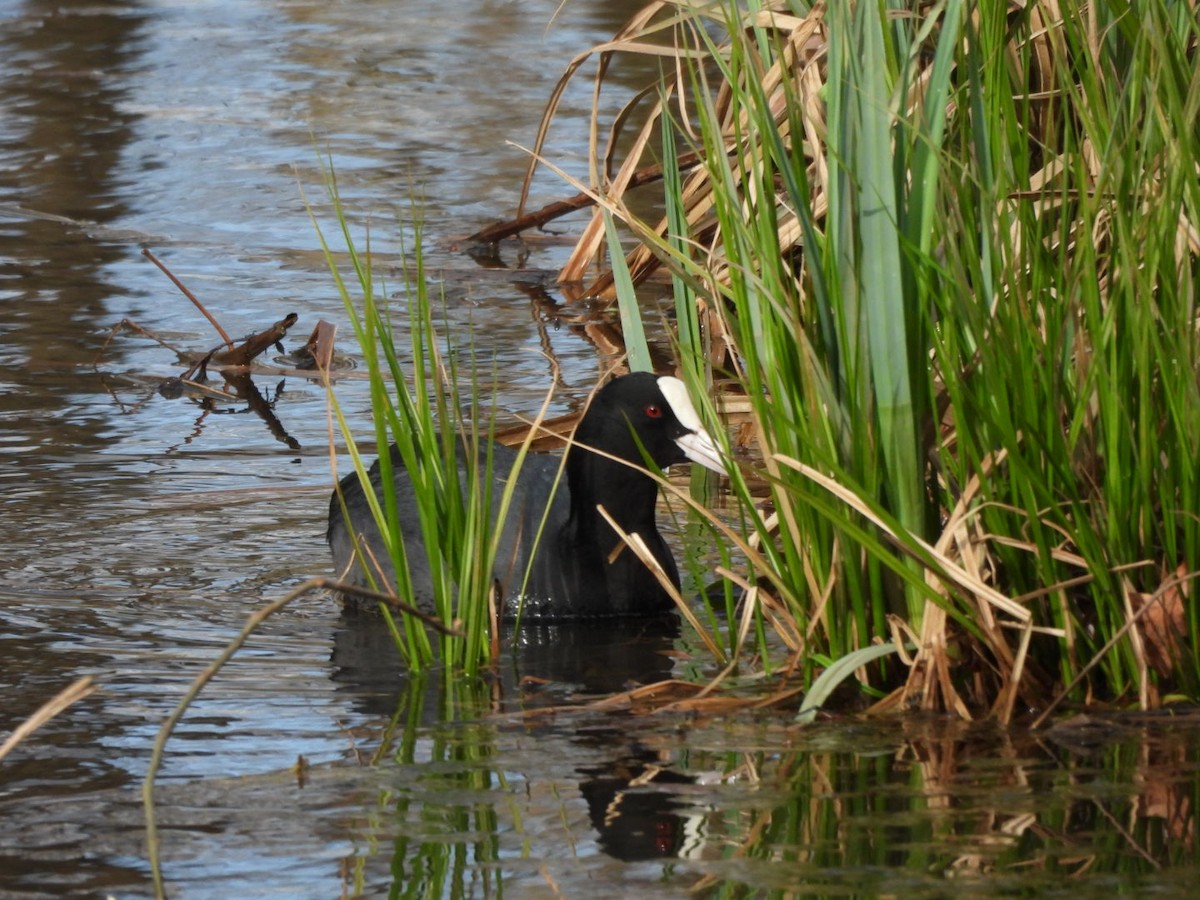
x,y
574,572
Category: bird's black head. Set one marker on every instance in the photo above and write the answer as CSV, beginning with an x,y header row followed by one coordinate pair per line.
x,y
642,414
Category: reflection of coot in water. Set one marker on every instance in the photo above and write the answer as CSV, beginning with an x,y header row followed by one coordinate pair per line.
x,y
366,662
559,661
543,665
634,819
600,657
576,566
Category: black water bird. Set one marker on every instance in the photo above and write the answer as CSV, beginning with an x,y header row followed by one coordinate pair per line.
x,y
579,568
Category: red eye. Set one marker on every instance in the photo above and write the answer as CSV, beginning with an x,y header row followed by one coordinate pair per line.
x,y
653,411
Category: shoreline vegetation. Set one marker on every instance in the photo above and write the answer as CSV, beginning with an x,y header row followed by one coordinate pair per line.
x,y
946,260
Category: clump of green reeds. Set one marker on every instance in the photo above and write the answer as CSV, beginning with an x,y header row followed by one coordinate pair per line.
x,y
444,442
949,256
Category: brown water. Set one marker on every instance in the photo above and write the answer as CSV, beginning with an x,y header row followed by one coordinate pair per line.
x,y
138,532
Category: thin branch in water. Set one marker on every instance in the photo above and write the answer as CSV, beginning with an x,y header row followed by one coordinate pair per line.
x,y
183,289
536,219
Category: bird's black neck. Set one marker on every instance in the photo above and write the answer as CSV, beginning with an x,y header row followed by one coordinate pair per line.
x,y
627,494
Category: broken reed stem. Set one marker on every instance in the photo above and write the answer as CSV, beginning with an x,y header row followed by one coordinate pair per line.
x,y
638,547
256,618
183,289
72,693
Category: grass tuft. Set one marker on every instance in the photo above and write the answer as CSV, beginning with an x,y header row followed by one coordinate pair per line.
x,y
948,257
444,441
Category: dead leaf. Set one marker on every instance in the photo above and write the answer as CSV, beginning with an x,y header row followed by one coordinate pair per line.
x,y
1163,623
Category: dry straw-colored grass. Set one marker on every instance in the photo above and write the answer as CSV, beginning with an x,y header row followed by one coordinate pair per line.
x,y
666,31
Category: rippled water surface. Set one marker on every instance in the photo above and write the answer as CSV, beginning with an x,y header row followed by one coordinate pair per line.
x,y
139,532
